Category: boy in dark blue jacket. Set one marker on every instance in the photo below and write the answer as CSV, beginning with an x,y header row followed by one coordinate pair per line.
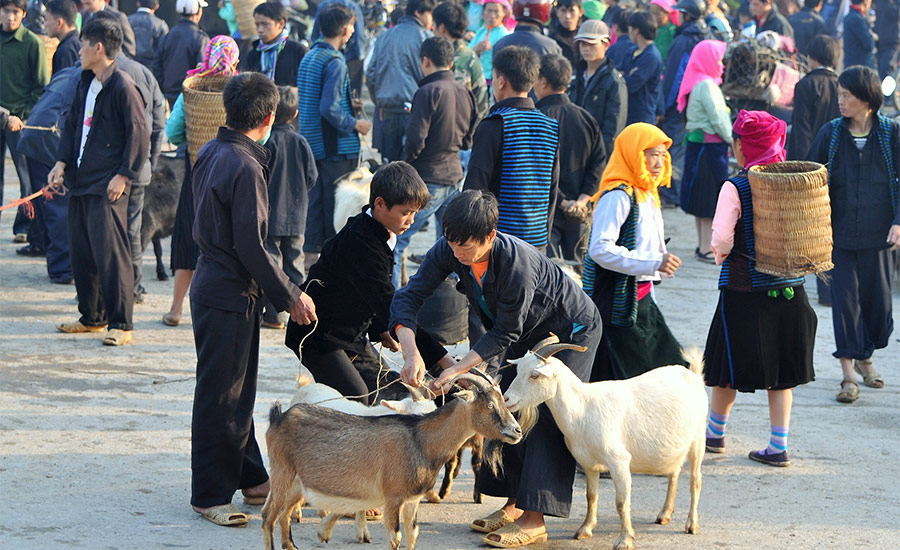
x,y
859,43
642,69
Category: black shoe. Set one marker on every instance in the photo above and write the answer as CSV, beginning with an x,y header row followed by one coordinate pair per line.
x,y
780,460
416,258
30,250
63,281
715,445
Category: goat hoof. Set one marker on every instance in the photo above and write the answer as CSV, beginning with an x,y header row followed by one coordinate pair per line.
x,y
432,497
162,277
478,499
323,539
624,544
663,519
692,528
366,539
584,533
322,513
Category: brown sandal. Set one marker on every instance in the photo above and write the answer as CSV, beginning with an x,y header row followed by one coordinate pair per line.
x,y
491,523
512,536
850,393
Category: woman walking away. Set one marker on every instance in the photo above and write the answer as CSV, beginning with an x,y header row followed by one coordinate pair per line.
x,y
220,59
764,330
628,253
708,136
864,184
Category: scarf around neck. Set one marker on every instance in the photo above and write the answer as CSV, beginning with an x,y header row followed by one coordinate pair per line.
x,y
269,53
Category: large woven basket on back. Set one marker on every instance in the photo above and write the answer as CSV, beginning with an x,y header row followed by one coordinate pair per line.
x,y
243,12
204,111
791,218
50,45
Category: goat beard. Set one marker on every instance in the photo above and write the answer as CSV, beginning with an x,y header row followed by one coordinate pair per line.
x,y
492,455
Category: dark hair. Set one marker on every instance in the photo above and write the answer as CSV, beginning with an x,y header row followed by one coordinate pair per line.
x,y
569,4
65,10
287,105
21,4
453,17
744,11
438,50
645,24
149,3
471,214
420,6
102,30
333,18
813,4
398,183
864,84
273,10
557,71
857,2
825,50
249,98
621,20
518,65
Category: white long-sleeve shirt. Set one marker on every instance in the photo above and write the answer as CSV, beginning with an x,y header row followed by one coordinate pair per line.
x,y
610,214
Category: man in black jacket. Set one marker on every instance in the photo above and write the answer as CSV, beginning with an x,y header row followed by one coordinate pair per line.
x,y
231,207
60,24
768,18
441,123
103,148
148,31
807,23
92,7
582,158
815,96
180,50
887,29
273,53
531,16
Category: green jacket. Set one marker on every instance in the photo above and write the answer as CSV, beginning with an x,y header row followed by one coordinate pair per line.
x,y
24,71
468,72
665,35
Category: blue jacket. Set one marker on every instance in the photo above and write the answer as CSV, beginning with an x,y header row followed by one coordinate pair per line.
x,y
67,53
179,51
529,36
619,51
859,44
50,111
356,47
642,77
687,36
148,31
806,24
395,70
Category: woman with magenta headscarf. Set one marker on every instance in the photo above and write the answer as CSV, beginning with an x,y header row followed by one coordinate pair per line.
x,y
708,129
627,254
219,59
763,332
494,15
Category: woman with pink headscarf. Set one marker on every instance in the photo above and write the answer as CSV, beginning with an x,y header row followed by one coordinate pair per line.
x,y
494,14
219,59
708,130
667,22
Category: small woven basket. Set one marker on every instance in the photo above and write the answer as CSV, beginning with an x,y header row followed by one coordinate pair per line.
x,y
243,12
204,111
791,218
50,45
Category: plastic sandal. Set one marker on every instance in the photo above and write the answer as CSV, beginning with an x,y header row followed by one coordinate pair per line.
x,y
117,337
226,515
850,393
77,327
512,536
872,378
492,522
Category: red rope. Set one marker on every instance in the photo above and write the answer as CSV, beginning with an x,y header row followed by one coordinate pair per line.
x,y
47,192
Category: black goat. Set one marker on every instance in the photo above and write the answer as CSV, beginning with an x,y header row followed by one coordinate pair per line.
x,y
160,204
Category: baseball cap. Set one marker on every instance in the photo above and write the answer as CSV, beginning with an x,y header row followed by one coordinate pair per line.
x,y
593,31
189,7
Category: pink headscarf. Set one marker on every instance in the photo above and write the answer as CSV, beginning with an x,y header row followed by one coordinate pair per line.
x,y
508,20
219,59
667,6
762,137
705,63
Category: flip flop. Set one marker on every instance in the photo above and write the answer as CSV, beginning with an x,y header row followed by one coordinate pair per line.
x,y
170,320
872,379
707,258
850,393
226,515
512,536
491,523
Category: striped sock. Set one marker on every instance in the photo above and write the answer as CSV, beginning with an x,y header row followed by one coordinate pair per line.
x,y
778,440
715,429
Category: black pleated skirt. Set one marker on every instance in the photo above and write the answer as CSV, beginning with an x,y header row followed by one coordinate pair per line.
x,y
757,342
184,249
705,168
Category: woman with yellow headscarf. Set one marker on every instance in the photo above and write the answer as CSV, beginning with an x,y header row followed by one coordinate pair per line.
x,y
627,253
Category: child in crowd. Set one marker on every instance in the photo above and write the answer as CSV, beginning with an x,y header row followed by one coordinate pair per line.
x,y
292,173
642,69
618,51
514,153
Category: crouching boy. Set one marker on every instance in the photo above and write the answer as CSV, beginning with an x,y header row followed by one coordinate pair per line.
x,y
521,297
104,144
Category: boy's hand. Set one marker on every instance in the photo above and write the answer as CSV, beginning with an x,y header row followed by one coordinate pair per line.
x,y
15,124
363,126
55,177
304,310
389,342
116,187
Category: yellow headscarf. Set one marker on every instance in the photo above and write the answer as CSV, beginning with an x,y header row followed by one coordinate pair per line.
x,y
628,165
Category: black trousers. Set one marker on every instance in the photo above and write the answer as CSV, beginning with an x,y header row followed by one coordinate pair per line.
x,y
224,454
861,308
135,211
567,240
320,216
539,472
393,130
101,260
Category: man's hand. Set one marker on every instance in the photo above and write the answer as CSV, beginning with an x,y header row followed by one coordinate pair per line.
x,y
442,383
15,124
894,237
669,264
116,187
389,342
413,372
304,310
56,176
363,126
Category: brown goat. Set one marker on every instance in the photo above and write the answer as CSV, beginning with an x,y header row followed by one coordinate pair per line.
x,y
451,470
347,463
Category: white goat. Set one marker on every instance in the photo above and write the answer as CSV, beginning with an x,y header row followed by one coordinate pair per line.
x,y
351,193
647,424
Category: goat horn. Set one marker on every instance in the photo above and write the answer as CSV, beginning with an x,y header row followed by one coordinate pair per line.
x,y
549,350
552,339
480,383
481,373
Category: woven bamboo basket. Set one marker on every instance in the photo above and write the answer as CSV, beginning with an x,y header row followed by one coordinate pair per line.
x,y
204,111
243,12
50,45
791,218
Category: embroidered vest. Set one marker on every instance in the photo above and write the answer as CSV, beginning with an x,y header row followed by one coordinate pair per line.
x,y
530,141
323,138
739,269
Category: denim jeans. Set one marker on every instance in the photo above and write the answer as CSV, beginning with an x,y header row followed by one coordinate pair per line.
x,y
440,196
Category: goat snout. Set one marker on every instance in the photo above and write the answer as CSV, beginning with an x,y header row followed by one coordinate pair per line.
x,y
511,402
512,435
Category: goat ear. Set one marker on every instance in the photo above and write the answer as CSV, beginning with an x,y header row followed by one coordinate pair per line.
x,y
396,406
546,371
466,395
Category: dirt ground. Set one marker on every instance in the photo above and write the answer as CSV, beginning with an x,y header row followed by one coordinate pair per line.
x,y
95,441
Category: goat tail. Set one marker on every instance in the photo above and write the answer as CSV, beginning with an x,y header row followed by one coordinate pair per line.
x,y
694,357
275,415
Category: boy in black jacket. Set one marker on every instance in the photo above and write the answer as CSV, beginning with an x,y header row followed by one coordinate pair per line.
x,y
292,173
351,285
441,124
104,144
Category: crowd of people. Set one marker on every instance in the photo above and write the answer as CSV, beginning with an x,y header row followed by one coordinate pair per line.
x,y
535,134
